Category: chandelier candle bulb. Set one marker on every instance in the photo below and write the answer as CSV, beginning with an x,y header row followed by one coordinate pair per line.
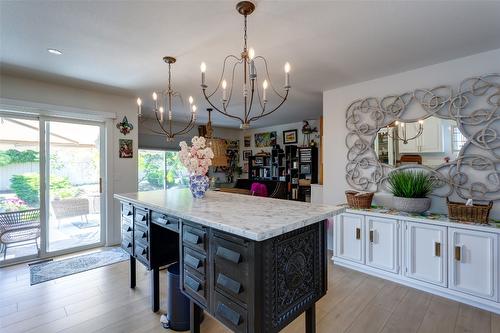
x,y
161,114
190,100
155,98
264,85
224,91
287,75
139,106
203,68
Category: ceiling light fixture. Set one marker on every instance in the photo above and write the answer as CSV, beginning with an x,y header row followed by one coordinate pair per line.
x,y
252,96
54,51
162,100
401,133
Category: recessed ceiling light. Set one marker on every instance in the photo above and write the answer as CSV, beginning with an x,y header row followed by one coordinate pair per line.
x,y
54,51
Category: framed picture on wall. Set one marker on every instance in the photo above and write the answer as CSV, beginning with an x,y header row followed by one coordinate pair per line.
x,y
246,140
290,136
126,149
246,154
265,139
245,167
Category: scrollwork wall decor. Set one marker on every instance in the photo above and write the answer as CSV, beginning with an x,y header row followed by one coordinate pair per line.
x,y
475,107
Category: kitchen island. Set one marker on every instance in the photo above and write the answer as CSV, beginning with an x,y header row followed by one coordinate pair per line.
x,y
253,263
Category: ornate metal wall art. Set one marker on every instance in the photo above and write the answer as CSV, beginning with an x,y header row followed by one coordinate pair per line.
x,y
475,107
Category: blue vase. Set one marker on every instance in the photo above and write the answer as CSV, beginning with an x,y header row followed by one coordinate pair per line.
x,y
198,185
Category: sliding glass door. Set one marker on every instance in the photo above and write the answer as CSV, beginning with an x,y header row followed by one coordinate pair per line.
x,y
75,184
159,170
51,177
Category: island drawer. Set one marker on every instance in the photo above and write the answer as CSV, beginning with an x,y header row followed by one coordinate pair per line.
x,y
194,237
141,217
127,244
231,269
141,252
127,210
141,234
194,261
230,314
196,288
127,227
164,220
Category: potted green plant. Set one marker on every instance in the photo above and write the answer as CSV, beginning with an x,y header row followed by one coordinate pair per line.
x,y
410,189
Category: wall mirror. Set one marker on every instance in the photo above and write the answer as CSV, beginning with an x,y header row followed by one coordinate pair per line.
x,y
451,132
430,142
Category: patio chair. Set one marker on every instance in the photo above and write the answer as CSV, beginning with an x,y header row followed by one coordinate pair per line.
x,y
70,207
21,226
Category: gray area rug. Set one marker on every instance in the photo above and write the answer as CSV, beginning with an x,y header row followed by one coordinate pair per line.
x,y
47,271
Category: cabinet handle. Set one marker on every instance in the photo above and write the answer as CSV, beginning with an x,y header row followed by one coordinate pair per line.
x,y
358,233
229,314
191,238
192,283
458,253
229,284
228,254
371,236
192,261
437,249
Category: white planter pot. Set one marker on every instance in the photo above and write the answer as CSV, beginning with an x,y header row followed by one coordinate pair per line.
x,y
411,205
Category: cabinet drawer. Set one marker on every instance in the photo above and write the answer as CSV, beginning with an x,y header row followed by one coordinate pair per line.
x,y
127,244
141,217
194,261
194,237
230,313
127,229
142,253
127,210
231,269
166,221
195,288
141,234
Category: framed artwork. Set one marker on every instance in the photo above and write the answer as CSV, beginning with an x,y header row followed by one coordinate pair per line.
x,y
126,149
265,139
289,136
246,140
245,167
246,154
233,144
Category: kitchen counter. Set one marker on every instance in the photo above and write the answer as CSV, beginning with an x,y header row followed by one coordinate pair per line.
x,y
255,218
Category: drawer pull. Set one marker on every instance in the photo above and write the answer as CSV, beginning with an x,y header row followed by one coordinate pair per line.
x,y
227,313
163,221
192,283
229,284
129,244
127,212
141,217
458,253
228,254
192,261
144,234
191,238
371,235
129,228
144,252
358,233
437,249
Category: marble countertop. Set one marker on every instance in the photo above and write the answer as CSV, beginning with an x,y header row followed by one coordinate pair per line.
x,y
256,218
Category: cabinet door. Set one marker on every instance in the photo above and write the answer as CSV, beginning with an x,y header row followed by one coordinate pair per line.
x,y
431,140
381,236
349,237
472,262
426,253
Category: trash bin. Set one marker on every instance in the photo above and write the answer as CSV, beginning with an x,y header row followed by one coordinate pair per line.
x,y
177,316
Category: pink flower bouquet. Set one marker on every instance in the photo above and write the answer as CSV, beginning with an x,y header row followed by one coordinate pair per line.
x,y
196,158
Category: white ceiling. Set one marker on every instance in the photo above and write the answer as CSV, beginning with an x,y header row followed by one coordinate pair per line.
x,y
119,45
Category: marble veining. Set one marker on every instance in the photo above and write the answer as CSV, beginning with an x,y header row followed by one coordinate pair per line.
x,y
256,218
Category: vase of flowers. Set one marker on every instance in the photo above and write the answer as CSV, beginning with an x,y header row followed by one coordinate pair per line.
x,y
197,159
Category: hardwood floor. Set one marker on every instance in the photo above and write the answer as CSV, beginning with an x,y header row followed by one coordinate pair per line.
x,y
101,301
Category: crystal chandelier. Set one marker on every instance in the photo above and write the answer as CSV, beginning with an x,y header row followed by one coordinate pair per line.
x,y
164,99
253,97
401,132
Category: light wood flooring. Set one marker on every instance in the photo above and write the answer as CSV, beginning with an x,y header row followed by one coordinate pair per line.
x,y
101,301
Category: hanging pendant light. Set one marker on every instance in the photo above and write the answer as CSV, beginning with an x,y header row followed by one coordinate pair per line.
x,y
219,146
254,98
163,100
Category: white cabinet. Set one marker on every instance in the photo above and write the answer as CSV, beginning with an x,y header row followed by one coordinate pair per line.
x,y
473,262
430,141
426,252
349,237
381,236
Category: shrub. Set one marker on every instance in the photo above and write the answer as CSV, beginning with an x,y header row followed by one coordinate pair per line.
x,y
410,184
27,187
12,156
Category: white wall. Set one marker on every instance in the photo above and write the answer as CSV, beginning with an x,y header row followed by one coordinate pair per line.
x,y
122,173
336,101
279,140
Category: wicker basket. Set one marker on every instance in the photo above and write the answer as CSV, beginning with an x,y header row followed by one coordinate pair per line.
x,y
475,213
357,199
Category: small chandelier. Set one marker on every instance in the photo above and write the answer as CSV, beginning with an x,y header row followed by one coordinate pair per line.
x,y
162,100
252,96
401,133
